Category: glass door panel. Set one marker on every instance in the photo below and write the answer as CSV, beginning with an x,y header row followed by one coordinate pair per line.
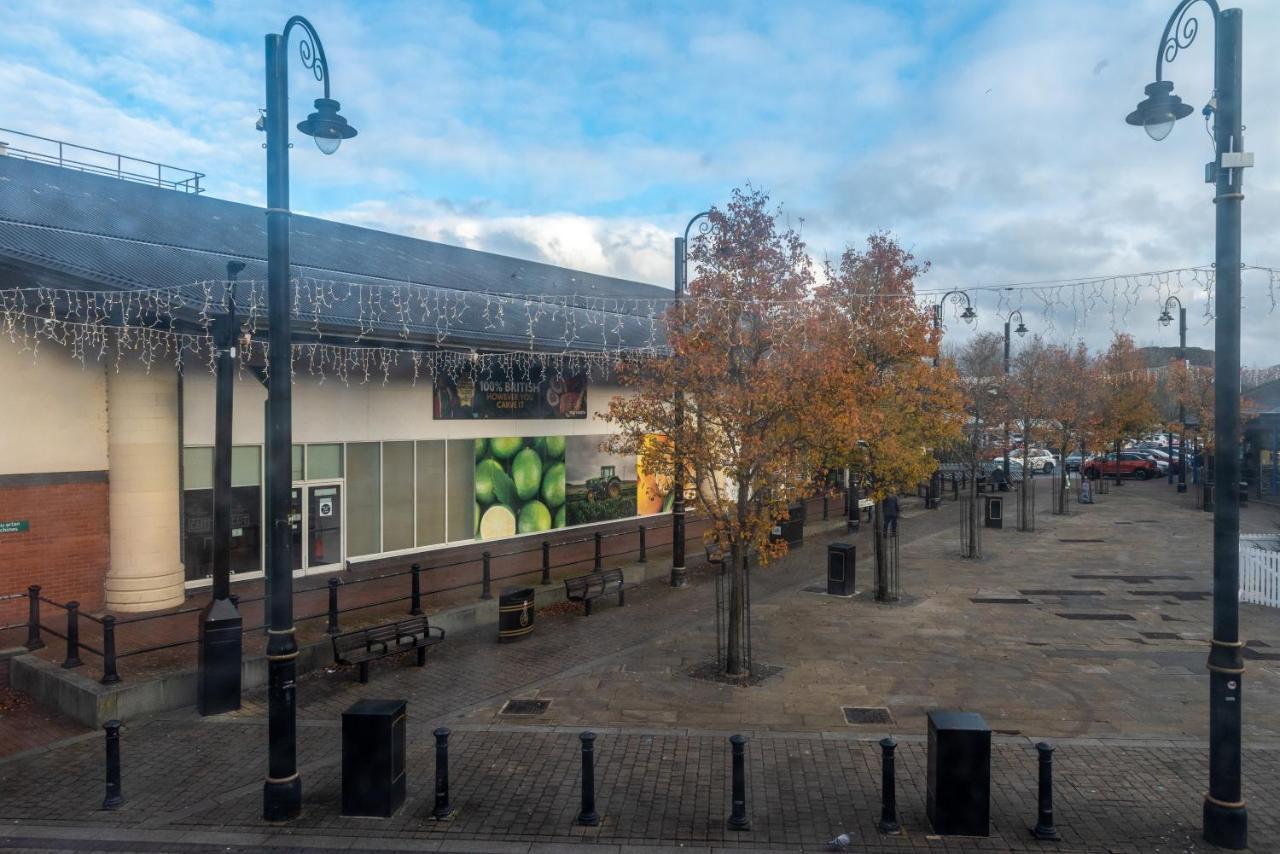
x,y
295,527
324,527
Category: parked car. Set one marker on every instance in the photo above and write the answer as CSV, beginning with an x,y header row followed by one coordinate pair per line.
x,y
1015,466
1132,464
1073,461
1039,459
1170,462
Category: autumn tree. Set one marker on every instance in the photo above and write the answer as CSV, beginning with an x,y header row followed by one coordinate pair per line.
x,y
880,345
1126,405
1069,391
754,418
981,380
1027,404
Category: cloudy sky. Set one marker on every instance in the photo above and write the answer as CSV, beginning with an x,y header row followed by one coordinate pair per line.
x,y
989,137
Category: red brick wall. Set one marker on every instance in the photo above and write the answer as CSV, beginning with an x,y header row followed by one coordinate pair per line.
x,y
67,549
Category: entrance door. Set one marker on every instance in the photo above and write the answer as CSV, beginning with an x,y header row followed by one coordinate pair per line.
x,y
315,522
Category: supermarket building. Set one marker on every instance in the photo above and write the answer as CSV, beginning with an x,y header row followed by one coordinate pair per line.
x,y
106,462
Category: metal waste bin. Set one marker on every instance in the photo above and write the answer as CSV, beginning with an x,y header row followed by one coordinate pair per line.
x,y
792,530
841,560
515,613
373,766
993,510
958,799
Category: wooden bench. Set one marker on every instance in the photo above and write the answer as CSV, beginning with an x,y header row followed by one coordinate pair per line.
x,y
586,588
364,645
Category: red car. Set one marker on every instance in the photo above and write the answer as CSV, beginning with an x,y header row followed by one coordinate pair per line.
x,y
1132,464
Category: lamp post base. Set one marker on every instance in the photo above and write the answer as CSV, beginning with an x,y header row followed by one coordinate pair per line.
x,y
282,799
679,576
1226,826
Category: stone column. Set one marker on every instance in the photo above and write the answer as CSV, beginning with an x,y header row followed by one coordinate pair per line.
x,y
142,453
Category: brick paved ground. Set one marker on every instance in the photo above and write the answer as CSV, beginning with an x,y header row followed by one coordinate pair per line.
x,y
1127,709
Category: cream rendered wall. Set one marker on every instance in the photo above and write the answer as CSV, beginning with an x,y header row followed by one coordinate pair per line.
x,y
142,419
333,412
56,411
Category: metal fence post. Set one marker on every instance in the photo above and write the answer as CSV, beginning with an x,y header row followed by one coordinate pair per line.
x,y
826,508
1044,828
114,798
442,809
332,628
643,557
33,618
599,540
888,788
109,674
415,595
73,636
587,816
738,818
485,592
546,562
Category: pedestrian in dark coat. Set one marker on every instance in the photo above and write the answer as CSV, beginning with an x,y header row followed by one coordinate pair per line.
x,y
892,511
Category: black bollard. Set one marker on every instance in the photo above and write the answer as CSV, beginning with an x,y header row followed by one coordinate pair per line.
x,y
643,558
485,592
588,817
826,509
332,628
598,539
888,788
415,592
33,618
73,636
546,562
1044,828
114,799
442,811
738,818
109,674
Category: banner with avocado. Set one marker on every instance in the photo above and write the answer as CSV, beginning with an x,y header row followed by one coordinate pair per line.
x,y
520,485
497,392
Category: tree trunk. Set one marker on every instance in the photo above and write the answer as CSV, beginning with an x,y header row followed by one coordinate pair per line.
x,y
882,565
1022,492
733,646
1062,481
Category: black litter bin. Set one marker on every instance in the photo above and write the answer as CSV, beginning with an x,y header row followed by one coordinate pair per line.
x,y
841,559
993,510
791,530
515,614
373,767
958,800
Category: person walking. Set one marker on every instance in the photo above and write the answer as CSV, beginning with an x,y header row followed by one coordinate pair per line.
x,y
891,512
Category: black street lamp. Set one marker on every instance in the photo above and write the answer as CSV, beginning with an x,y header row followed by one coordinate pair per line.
x,y
679,573
1021,330
968,315
1165,319
1225,816
282,791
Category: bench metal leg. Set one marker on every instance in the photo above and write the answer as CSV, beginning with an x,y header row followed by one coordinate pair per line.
x,y
422,656
364,672
586,607
622,598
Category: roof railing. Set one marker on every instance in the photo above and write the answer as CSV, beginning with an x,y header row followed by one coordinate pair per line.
x,y
68,155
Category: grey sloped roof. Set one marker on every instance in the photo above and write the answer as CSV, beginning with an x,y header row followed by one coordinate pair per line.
x,y
65,228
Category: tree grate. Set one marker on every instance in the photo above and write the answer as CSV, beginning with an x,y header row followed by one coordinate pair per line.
x,y
1062,593
525,707
1097,616
866,715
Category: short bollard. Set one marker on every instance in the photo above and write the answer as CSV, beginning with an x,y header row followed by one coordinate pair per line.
x,y
114,798
599,555
738,818
73,636
485,592
643,558
415,592
442,811
332,628
33,618
587,816
546,562
826,509
888,788
1044,828
110,675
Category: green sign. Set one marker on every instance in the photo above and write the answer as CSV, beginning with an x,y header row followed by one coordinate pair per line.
x,y
15,526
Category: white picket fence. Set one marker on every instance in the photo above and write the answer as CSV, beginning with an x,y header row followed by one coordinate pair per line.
x,y
1260,569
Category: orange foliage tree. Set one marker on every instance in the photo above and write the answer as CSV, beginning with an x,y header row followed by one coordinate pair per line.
x,y
1070,389
1126,405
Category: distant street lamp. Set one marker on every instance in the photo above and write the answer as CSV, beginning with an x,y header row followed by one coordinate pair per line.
x,y
1021,330
1225,818
282,791
1165,319
968,315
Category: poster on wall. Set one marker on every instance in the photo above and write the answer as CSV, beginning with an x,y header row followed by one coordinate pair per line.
x,y
600,486
497,392
519,485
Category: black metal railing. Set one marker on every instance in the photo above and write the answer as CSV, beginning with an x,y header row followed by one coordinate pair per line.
x,y
98,162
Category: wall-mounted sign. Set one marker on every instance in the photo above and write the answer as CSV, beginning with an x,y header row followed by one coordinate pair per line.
x,y
497,392
15,526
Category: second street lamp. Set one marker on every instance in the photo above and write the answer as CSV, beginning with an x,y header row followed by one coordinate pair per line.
x,y
282,791
1165,319
1021,330
1225,818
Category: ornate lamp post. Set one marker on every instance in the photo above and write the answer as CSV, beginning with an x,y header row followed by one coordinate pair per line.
x,y
1165,319
1225,815
282,791
968,315
1021,330
679,574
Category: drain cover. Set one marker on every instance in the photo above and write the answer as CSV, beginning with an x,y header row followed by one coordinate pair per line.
x,y
997,600
525,707
866,715
1062,593
1061,540
1096,616
1161,635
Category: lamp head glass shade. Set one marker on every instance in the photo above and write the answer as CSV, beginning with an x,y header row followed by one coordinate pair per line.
x,y
1022,328
1159,110
326,126
968,315
1165,318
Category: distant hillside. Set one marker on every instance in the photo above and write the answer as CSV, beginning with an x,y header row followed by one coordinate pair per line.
x,y
1158,357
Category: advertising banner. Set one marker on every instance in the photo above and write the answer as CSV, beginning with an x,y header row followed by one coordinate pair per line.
x,y
519,485
496,392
